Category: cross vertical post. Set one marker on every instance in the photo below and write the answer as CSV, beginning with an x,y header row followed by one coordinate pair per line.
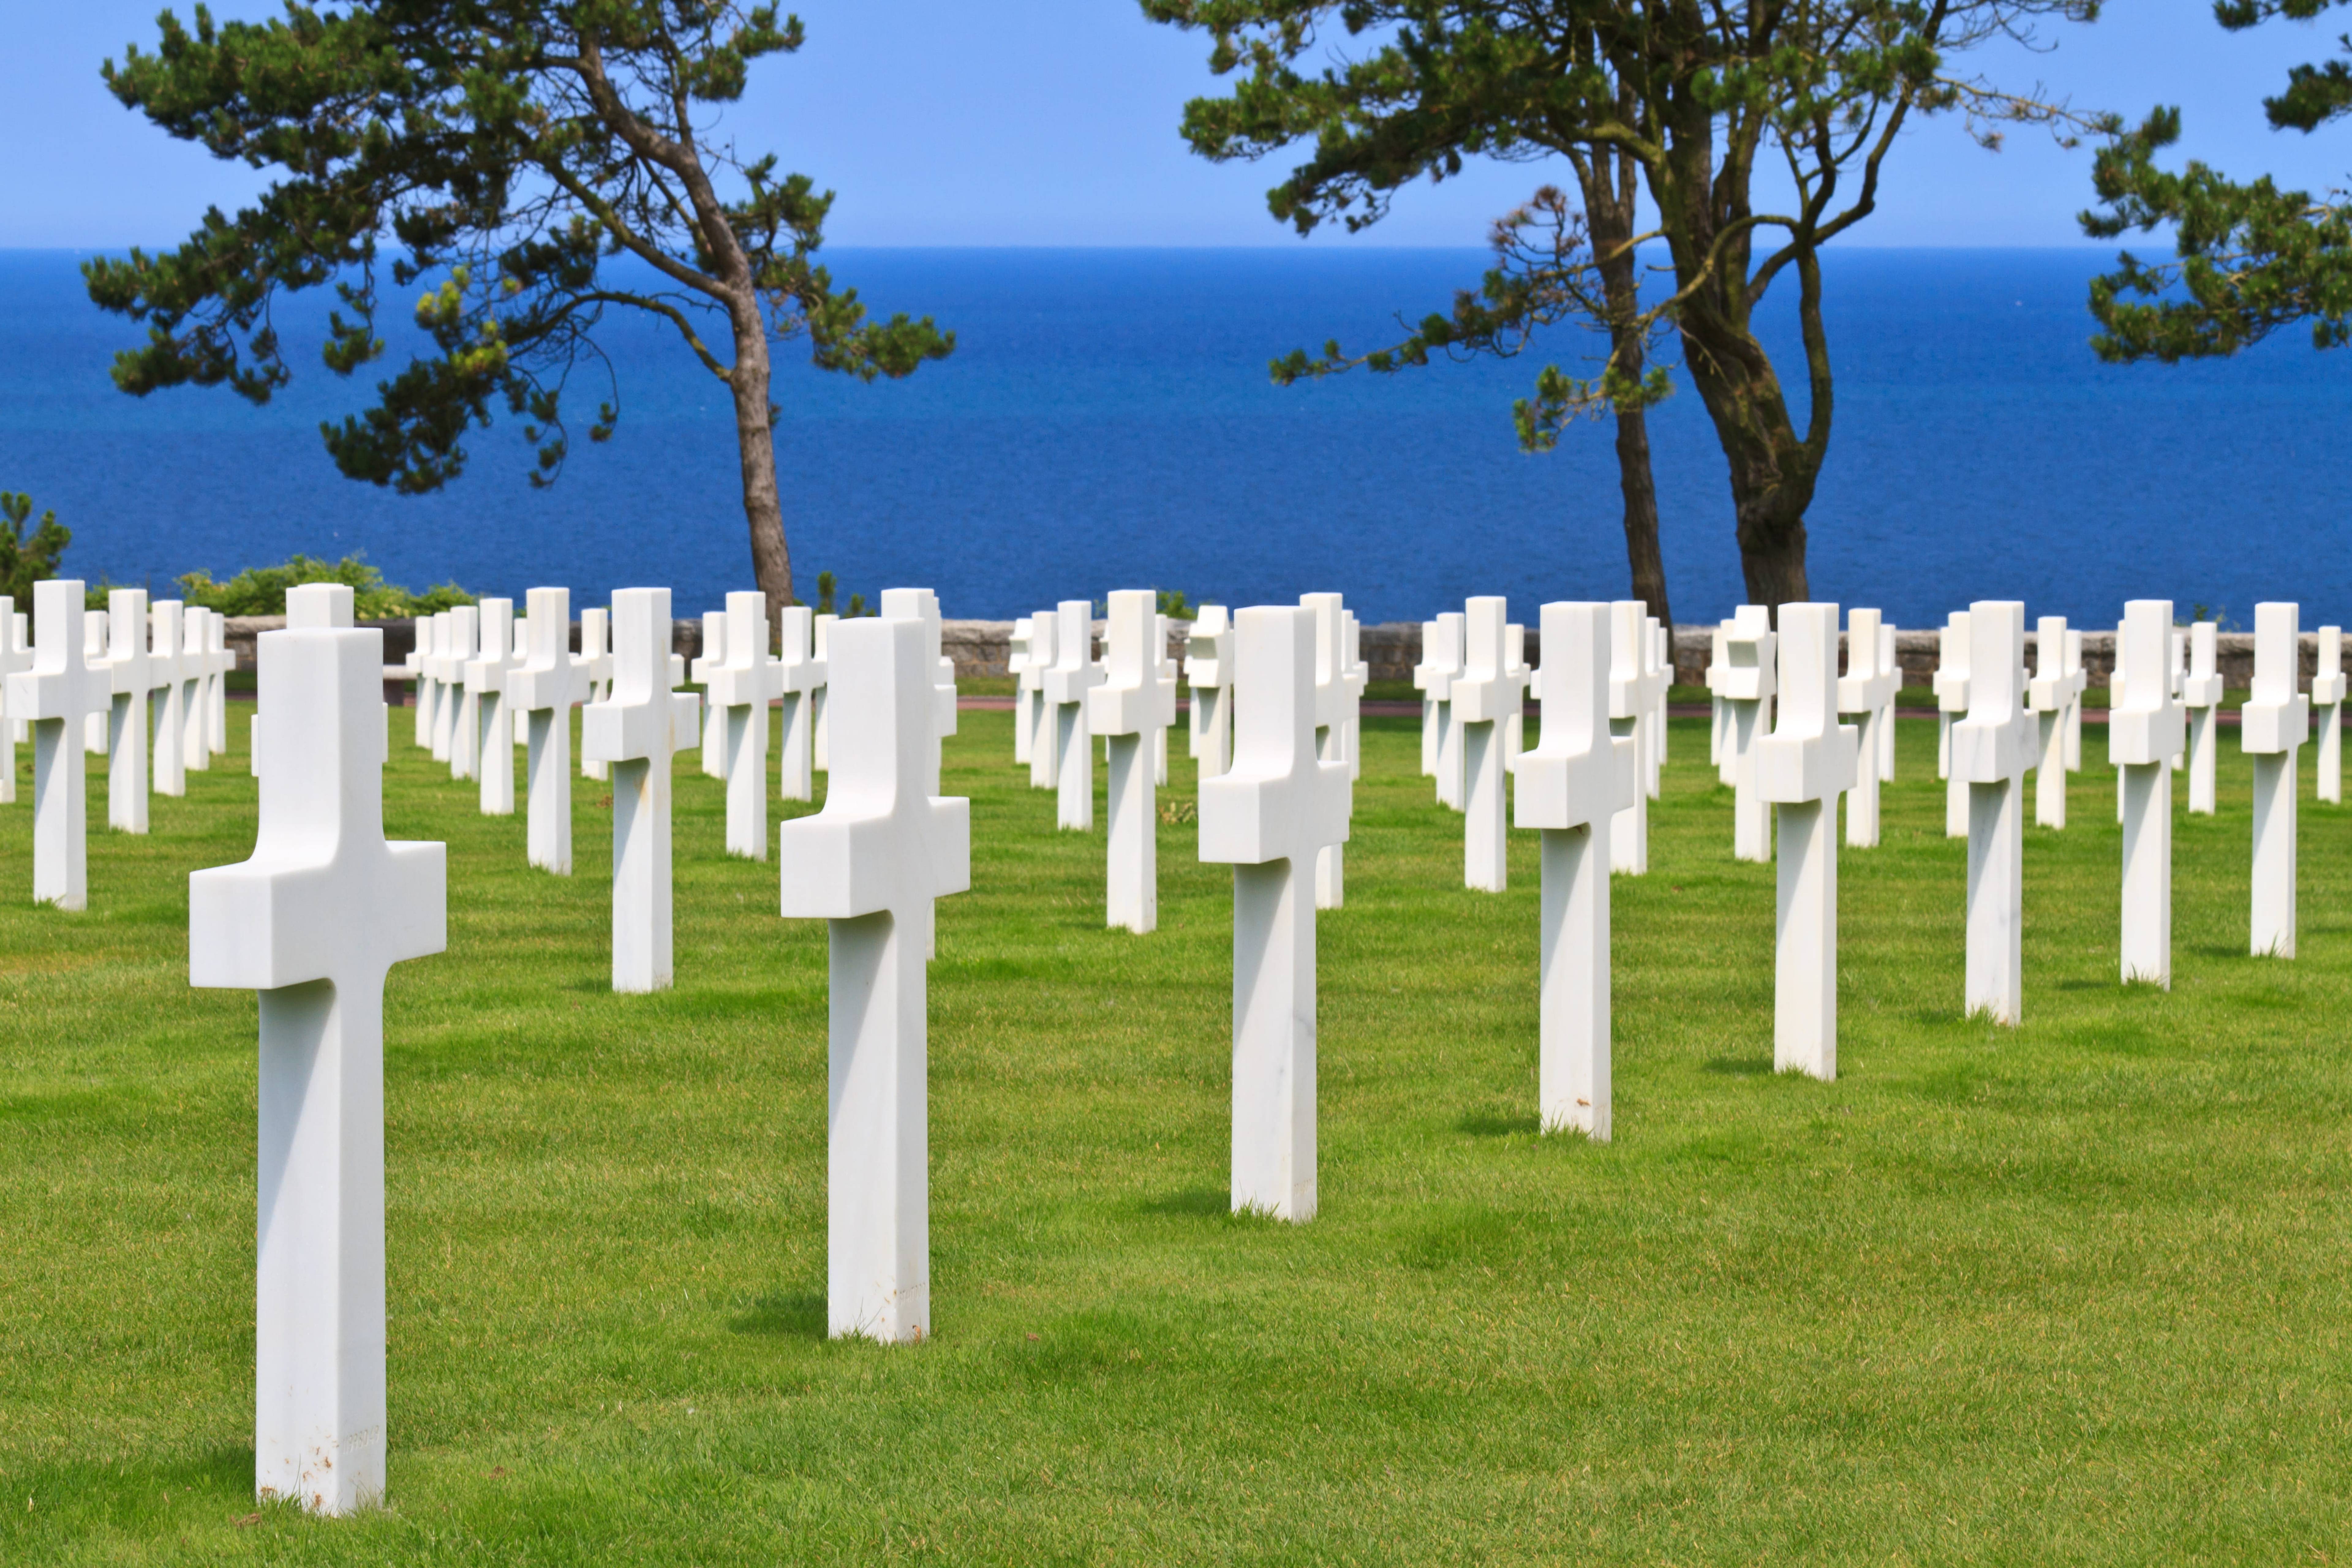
x,y
166,624
1021,663
637,729
131,667
313,920
1073,675
1045,746
1993,748
1718,712
922,605
1267,816
1867,688
2144,731
741,678
1333,707
2273,725
1135,701
1629,829
597,655
1888,661
2052,695
2328,702
1487,696
1575,781
1209,671
714,654
1747,691
57,696
430,630
1951,702
870,864
2201,694
1441,661
486,695
1802,767
195,672
802,676
454,735
544,689
821,742
1657,674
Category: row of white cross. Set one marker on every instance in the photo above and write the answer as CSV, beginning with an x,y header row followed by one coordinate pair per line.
x,y
145,685
324,905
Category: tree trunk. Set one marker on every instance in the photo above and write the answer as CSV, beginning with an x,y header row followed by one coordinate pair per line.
x,y
1772,469
1609,190
771,559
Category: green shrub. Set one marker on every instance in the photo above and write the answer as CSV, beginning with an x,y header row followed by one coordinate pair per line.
x,y
24,561
261,590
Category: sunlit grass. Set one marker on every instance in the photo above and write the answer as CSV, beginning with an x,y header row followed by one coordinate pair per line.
x,y
2070,1292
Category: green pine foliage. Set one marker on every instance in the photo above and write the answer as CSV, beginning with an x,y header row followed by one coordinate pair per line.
x,y
261,590
26,561
1368,96
518,169
2248,257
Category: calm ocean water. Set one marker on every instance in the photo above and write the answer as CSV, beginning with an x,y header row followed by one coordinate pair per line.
x,y
1106,421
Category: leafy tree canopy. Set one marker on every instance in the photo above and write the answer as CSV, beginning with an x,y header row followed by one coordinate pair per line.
x,y
2249,257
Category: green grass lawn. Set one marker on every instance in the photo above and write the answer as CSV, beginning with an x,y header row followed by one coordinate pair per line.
x,y
2071,1292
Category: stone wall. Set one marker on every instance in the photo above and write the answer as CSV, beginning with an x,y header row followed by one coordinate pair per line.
x,y
1391,649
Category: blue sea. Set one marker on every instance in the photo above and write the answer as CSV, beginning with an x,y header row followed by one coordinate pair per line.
x,y
1107,421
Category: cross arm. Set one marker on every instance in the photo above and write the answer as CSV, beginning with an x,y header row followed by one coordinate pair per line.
x,y
285,920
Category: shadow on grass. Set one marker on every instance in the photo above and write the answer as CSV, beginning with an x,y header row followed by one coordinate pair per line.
x,y
1496,1124
1192,1203
1739,1067
794,1314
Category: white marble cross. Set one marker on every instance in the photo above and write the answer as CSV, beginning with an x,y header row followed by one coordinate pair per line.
x,y
1027,686
196,734
2073,667
922,605
544,689
739,678
597,655
2273,725
1867,689
636,730
457,730
871,863
1209,671
56,694
1952,645
2201,695
1044,743
1441,662
1169,671
1888,660
137,675
1268,816
1333,708
821,741
1748,689
1515,732
420,647
2144,729
2328,702
16,653
96,632
430,631
1718,713
1578,780
166,712
714,654
313,920
486,695
1073,675
1802,767
801,675
2051,694
1136,700
1432,723
1357,675
1488,694
1993,749
1657,674
1629,829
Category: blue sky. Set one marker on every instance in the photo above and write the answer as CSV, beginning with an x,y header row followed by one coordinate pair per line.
x,y
1053,122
